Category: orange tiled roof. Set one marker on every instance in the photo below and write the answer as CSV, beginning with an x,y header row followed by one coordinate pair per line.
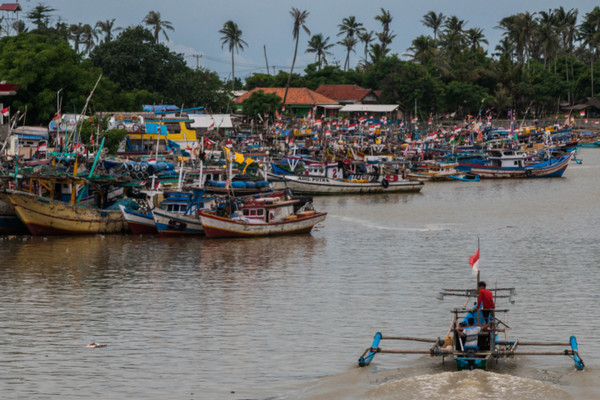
x,y
343,92
295,96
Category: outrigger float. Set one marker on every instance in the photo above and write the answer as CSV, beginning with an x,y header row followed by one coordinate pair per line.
x,y
492,343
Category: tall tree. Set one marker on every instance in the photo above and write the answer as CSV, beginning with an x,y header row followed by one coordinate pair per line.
x,y
40,17
385,36
350,28
320,47
589,34
433,21
232,37
154,21
475,38
107,28
299,22
366,37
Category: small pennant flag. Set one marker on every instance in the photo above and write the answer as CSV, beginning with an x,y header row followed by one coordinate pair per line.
x,y
474,262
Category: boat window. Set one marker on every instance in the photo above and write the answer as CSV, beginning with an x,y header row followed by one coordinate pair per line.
x,y
246,212
260,212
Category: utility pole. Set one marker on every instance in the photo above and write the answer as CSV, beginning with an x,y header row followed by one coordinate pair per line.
x,y
197,57
266,60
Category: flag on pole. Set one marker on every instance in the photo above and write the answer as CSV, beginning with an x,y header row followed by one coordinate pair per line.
x,y
5,111
474,262
582,113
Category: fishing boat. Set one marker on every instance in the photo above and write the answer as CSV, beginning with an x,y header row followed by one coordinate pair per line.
x,y
319,178
9,222
268,216
434,171
45,216
476,336
466,177
178,214
506,163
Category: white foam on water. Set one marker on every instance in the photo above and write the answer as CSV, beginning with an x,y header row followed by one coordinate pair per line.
x,y
466,385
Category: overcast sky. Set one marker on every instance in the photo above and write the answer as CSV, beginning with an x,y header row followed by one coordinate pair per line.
x,y
268,23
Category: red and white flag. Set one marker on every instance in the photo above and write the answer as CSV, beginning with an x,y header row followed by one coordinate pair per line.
x,y
351,127
5,111
474,262
582,113
43,146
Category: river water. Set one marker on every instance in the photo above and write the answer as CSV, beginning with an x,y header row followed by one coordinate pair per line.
x,y
287,318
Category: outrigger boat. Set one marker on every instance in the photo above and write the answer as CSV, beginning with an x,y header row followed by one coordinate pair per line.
x,y
492,343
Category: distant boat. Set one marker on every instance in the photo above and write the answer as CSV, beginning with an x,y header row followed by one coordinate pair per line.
x,y
44,216
329,178
270,216
509,164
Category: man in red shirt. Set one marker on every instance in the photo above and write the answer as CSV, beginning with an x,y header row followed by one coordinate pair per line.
x,y
485,300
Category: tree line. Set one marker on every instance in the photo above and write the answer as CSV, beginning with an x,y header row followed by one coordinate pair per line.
x,y
545,60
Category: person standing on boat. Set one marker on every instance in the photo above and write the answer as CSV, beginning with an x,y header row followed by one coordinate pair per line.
x,y
485,300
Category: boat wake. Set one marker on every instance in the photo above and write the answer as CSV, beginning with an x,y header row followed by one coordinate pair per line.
x,y
368,224
461,385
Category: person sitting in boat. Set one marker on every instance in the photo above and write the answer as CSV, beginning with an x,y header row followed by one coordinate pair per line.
x,y
468,333
485,300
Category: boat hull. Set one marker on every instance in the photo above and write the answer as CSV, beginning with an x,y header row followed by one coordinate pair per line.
x,y
44,216
220,227
139,224
9,222
171,224
313,185
547,169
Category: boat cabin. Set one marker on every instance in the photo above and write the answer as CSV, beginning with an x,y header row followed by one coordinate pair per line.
x,y
506,159
187,203
267,209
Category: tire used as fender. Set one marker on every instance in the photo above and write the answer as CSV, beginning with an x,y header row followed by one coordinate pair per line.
x,y
385,183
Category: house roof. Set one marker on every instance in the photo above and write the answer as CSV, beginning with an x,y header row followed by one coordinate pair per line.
x,y
382,108
344,92
295,96
10,7
8,89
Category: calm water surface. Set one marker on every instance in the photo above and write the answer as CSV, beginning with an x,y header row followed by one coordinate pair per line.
x,y
287,318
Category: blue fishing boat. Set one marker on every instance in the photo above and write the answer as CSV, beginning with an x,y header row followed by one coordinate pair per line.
x,y
466,177
506,163
476,335
177,215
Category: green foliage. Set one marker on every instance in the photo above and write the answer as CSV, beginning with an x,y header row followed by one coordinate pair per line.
x,y
44,65
261,103
135,61
114,137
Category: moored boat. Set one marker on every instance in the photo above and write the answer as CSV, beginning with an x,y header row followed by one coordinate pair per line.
x,y
269,216
509,164
44,216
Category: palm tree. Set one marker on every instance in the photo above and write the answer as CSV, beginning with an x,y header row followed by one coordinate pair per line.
x,y
349,43
349,27
433,21
423,49
299,22
232,37
88,36
475,38
589,34
76,33
319,46
107,27
385,37
154,21
366,37
546,39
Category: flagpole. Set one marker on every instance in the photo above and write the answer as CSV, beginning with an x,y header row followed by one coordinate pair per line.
x,y
478,269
